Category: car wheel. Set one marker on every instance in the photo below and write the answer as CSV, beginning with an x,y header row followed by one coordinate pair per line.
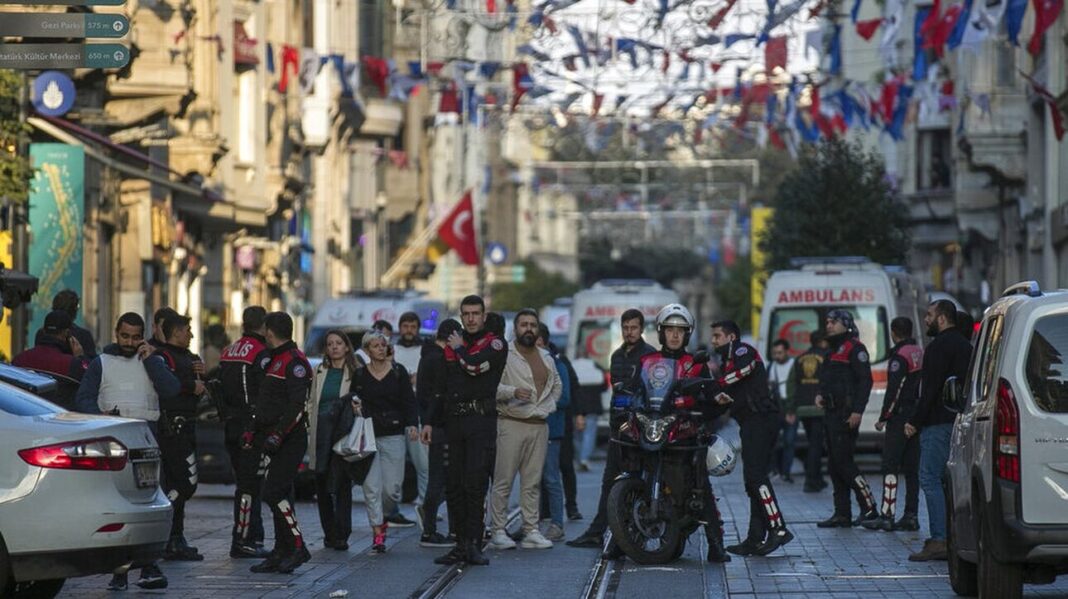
x,y
963,575
997,580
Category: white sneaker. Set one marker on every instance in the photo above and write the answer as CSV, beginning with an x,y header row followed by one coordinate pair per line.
x,y
555,532
501,541
534,540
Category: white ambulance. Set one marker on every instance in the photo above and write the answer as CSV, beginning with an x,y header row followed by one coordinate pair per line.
x,y
797,301
595,331
557,316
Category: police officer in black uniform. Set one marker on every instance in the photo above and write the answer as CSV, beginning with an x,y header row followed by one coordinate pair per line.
x,y
900,452
242,366
280,429
625,364
743,384
474,363
177,430
845,382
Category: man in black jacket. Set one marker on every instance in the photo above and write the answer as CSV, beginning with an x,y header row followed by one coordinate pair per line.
x,y
242,366
806,375
282,432
625,364
430,393
69,302
474,363
177,431
947,355
744,385
900,453
845,383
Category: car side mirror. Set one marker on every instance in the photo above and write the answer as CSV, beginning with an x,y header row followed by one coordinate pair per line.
x,y
701,357
953,395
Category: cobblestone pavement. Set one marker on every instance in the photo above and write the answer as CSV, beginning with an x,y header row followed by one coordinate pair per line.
x,y
846,563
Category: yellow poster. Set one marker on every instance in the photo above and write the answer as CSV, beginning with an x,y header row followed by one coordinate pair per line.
x,y
760,217
5,324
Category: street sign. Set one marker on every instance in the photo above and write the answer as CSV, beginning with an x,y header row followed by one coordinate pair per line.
x,y
68,2
53,93
65,25
63,56
496,253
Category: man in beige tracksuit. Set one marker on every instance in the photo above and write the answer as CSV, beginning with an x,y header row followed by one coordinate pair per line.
x,y
526,395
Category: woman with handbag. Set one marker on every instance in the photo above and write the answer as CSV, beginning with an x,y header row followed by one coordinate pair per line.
x,y
330,417
384,394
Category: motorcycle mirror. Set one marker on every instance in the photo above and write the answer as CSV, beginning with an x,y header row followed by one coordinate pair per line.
x,y
701,357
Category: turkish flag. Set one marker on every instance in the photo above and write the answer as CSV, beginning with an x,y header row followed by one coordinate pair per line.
x,y
866,29
458,230
1046,13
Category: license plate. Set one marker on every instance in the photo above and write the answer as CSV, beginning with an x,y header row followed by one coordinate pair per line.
x,y
146,474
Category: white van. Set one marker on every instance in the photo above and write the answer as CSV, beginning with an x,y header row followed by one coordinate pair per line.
x,y
797,301
595,331
356,313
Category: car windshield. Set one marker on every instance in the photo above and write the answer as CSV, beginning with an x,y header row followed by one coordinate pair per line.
x,y
1046,374
17,402
796,324
597,339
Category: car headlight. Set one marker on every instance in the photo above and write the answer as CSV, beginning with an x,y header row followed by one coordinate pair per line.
x,y
654,428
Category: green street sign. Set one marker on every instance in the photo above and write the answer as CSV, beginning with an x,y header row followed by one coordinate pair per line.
x,y
66,25
67,2
63,56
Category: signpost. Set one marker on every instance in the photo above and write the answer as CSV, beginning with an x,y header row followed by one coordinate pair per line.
x,y
65,25
63,56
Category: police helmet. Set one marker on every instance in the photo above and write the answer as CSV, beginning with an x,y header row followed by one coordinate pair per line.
x,y
720,457
675,315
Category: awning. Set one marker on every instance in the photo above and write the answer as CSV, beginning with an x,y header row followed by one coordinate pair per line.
x,y
198,201
244,47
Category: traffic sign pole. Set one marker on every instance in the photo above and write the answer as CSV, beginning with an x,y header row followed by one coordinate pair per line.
x,y
63,56
64,25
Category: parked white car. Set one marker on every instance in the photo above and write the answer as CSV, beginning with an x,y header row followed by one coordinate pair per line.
x,y
79,494
1006,480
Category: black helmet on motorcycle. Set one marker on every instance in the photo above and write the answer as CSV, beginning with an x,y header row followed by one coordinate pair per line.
x,y
844,317
674,315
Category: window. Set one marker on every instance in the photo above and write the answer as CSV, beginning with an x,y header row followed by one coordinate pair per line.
x,y
933,159
597,339
1046,374
990,359
20,403
246,117
796,324
372,29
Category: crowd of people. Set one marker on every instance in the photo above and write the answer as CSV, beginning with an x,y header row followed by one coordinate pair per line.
x,y
472,412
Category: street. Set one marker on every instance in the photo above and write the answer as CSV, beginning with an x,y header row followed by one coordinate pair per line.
x,y
819,563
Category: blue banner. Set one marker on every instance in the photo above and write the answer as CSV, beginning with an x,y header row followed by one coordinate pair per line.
x,y
57,198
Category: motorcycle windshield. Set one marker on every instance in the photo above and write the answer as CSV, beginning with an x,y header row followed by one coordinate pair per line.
x,y
658,375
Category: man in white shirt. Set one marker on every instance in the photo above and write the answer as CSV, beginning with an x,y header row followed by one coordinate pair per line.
x,y
781,384
407,351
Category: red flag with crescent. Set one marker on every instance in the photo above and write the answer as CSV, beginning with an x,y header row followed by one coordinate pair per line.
x,y
458,230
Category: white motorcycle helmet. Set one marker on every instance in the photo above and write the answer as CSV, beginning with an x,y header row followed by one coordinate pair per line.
x,y
721,456
675,315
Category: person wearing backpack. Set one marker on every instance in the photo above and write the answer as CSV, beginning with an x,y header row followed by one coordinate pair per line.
x,y
383,392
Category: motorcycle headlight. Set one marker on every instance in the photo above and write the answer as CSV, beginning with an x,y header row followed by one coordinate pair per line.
x,y
654,428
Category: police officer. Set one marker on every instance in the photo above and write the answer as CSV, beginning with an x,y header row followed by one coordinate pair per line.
x,y
474,363
280,429
177,430
625,364
845,382
242,366
674,325
900,453
806,375
743,385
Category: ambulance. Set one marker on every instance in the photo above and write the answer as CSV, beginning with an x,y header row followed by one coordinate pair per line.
x,y
797,301
557,316
354,315
594,328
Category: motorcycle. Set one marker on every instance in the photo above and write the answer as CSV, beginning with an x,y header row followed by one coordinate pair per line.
x,y
656,504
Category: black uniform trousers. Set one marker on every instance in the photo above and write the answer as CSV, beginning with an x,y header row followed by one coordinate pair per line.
x,y
841,447
567,472
333,496
435,486
282,470
902,455
178,462
613,457
247,465
814,434
472,453
759,432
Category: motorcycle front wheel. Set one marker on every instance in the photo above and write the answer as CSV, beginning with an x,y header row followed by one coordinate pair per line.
x,y
640,533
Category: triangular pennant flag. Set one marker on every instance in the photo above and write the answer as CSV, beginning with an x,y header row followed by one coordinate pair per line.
x,y
867,29
290,61
310,64
378,71
1046,13
269,50
1014,15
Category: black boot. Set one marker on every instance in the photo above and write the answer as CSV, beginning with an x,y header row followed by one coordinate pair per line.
x,y
716,553
178,550
879,523
240,550
268,565
475,557
294,560
776,538
745,548
908,522
868,515
457,555
836,521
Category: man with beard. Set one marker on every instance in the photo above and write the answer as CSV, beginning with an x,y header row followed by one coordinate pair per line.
x,y
474,363
526,395
407,352
947,355
126,380
845,382
625,364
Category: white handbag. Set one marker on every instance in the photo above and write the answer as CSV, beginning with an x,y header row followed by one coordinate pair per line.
x,y
359,443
